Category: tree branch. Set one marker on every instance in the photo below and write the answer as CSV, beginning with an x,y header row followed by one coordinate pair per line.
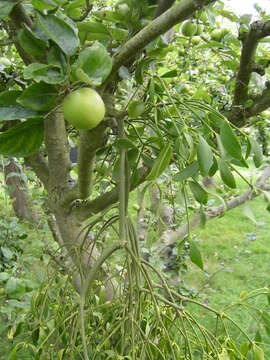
x,y
158,26
174,236
258,30
40,167
239,115
86,12
19,17
89,142
58,152
103,201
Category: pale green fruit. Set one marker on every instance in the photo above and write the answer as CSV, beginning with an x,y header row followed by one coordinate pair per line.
x,y
217,34
4,61
84,109
136,108
189,28
196,40
200,29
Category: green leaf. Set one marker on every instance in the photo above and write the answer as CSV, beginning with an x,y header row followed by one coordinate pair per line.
x,y
13,355
14,287
226,174
124,144
40,97
23,139
190,171
62,31
205,156
93,65
214,167
5,7
7,253
195,255
11,110
257,152
92,31
257,352
30,43
198,192
57,58
230,142
50,74
161,163
44,4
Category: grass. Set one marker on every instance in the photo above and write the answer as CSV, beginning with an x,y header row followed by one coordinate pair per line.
x,y
236,255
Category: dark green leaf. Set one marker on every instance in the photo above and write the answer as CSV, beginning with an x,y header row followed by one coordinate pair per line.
x,y
40,97
11,110
124,144
93,65
161,163
170,74
205,156
226,174
62,31
93,31
190,171
14,287
5,7
230,142
23,139
214,167
195,255
57,58
50,74
198,192
31,44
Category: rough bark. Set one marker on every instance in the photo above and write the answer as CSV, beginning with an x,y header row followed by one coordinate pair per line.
x,y
18,192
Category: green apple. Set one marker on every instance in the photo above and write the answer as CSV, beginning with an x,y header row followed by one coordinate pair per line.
x,y
4,61
189,28
136,108
216,35
123,9
200,29
196,40
84,109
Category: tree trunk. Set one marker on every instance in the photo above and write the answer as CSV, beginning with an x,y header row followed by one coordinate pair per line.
x,y
18,192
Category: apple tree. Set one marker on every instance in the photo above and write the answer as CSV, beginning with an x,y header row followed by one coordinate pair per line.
x,y
136,93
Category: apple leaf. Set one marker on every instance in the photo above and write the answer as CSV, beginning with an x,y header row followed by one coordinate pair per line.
x,y
31,43
94,65
62,31
5,7
40,97
23,139
11,110
50,74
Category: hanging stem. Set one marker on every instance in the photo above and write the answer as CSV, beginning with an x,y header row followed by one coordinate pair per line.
x,y
122,184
